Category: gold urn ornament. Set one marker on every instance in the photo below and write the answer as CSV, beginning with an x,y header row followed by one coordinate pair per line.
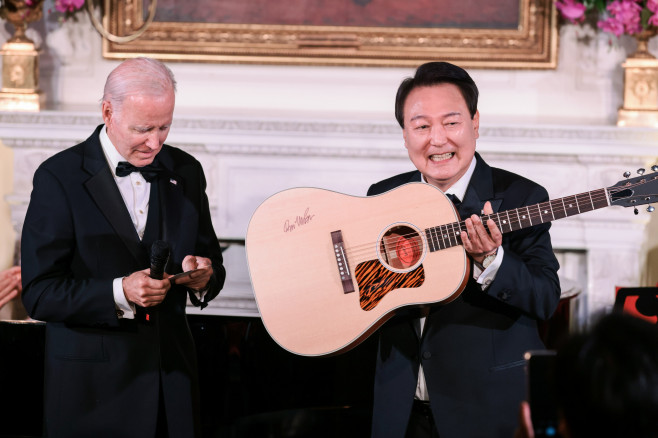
x,y
20,59
640,86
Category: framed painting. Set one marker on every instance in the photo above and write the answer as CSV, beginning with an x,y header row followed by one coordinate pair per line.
x,y
472,33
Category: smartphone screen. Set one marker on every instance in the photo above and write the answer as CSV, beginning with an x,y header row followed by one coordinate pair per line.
x,y
540,370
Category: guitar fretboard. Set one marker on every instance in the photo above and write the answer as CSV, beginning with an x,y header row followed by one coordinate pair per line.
x,y
448,235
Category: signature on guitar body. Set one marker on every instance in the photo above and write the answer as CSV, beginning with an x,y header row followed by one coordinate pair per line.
x,y
328,269
299,221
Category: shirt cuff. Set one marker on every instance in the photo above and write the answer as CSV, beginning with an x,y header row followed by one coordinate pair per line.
x,y
125,310
200,293
487,276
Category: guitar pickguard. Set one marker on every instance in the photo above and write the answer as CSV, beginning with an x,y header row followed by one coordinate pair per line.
x,y
375,281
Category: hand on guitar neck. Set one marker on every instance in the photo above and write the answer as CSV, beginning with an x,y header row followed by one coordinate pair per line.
x,y
477,242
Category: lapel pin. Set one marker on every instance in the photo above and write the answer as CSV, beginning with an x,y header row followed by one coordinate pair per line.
x,y
173,181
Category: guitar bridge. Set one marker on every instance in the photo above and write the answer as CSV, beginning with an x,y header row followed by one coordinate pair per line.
x,y
341,261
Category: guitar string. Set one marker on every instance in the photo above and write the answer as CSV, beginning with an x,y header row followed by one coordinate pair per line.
x,y
535,214
448,231
590,198
359,251
594,196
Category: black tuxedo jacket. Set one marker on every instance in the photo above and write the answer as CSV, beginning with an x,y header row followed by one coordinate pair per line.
x,y
472,348
103,374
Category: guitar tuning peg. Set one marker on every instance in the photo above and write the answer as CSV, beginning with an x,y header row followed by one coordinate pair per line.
x,y
651,208
640,171
627,174
654,167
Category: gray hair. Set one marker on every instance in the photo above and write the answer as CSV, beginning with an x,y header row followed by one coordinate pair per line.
x,y
144,76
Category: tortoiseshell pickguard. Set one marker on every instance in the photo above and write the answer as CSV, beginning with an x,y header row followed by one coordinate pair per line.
x,y
375,281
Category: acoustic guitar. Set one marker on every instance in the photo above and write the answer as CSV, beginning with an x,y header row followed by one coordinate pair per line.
x,y
328,269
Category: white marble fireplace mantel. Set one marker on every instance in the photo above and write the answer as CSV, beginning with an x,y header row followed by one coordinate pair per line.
x,y
247,159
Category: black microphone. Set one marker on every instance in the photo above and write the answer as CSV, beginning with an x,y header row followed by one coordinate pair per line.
x,y
159,258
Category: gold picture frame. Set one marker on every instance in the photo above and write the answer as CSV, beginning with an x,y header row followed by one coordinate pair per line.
x,y
530,44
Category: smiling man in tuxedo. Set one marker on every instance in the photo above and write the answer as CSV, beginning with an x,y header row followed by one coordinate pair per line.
x,y
457,370
120,359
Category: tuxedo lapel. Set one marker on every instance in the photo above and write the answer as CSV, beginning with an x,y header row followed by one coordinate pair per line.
x,y
105,193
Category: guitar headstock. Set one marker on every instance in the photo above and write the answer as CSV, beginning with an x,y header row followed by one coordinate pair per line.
x,y
640,190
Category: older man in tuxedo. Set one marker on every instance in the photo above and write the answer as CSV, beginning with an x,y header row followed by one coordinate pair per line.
x,y
457,371
120,359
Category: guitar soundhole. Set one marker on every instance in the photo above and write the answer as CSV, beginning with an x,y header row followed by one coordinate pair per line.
x,y
401,247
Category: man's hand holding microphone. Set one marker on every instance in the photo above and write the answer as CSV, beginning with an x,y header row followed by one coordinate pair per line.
x,y
149,287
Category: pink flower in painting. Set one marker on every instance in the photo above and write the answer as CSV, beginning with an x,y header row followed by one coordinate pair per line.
x,y
68,5
624,18
571,10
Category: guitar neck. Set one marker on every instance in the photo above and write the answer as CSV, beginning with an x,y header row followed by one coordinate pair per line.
x,y
448,235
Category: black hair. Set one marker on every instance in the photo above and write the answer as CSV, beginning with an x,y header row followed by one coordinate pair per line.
x,y
434,73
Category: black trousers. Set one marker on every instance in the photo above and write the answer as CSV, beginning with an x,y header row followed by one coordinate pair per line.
x,y
421,422
161,430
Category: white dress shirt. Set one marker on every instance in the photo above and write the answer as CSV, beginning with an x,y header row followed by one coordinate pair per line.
x,y
135,191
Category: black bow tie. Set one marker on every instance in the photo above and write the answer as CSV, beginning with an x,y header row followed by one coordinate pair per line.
x,y
148,172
